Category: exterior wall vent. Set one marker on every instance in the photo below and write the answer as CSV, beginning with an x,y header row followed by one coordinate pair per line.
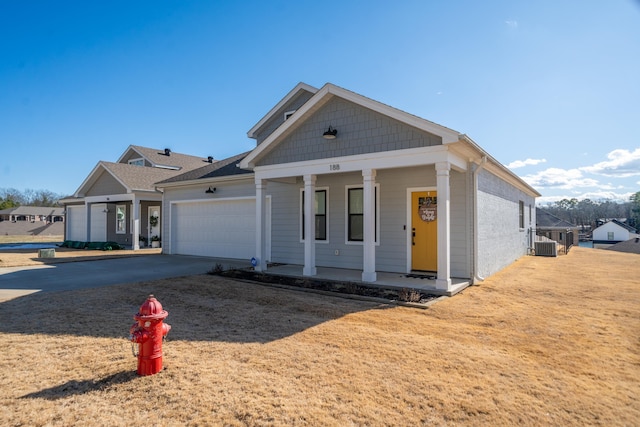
x,y
546,248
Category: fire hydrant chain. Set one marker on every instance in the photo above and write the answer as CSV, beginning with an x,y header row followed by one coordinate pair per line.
x,y
133,347
149,332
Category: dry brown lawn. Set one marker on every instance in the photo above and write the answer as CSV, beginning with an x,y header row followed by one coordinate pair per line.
x,y
547,341
27,257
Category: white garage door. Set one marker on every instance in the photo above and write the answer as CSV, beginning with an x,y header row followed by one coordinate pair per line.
x,y
76,223
224,229
99,222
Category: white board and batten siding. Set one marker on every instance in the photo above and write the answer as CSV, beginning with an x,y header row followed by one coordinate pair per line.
x,y
219,228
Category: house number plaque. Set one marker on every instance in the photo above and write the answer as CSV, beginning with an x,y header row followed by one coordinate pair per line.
x,y
334,167
428,208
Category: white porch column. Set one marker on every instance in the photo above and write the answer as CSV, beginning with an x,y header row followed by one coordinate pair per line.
x,y
309,268
261,185
369,225
444,226
135,241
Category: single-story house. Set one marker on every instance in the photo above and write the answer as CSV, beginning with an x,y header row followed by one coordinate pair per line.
x,y
554,228
47,215
339,180
612,232
118,201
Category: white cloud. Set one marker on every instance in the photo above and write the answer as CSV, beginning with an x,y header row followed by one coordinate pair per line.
x,y
621,164
512,23
566,179
520,163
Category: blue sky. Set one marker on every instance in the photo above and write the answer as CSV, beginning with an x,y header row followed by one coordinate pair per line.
x,y
550,89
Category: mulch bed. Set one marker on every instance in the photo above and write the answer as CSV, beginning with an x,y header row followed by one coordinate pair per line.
x,y
403,295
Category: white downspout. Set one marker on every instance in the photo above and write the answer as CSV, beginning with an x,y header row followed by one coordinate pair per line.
x,y
476,277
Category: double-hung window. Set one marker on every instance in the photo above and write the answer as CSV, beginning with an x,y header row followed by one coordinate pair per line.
x,y
121,219
355,214
320,214
521,212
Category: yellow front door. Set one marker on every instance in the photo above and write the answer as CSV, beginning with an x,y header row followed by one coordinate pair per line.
x,y
424,231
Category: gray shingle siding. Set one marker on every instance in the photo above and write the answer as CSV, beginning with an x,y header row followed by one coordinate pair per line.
x,y
360,131
278,117
106,185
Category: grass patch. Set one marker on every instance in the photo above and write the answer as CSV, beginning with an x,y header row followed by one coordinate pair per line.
x,y
31,239
547,341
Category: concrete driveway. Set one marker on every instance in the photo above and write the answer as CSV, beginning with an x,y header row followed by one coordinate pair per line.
x,y
17,281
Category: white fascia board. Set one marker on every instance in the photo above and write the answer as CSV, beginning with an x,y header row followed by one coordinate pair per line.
x,y
93,178
247,162
501,170
206,181
447,135
383,160
130,147
324,94
89,177
283,101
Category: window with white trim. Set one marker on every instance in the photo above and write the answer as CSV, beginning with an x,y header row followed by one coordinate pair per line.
x,y
321,209
521,213
121,219
288,114
355,213
136,162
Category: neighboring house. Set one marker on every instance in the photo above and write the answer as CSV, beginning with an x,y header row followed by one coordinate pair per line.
x,y
342,181
119,202
47,215
554,228
612,232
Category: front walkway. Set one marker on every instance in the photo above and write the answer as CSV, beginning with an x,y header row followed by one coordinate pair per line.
x,y
387,280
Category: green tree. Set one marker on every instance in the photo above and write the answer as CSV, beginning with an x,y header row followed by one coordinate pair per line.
x,y
635,209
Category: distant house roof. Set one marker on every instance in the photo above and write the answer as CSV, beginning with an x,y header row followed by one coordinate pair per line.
x,y
630,246
222,168
545,219
33,210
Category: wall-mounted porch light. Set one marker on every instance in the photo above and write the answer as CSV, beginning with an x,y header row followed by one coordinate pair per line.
x,y
210,190
330,133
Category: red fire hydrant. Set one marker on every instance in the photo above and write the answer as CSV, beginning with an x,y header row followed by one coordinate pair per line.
x,y
148,332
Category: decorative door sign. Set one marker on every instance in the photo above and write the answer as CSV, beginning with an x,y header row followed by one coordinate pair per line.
x,y
428,208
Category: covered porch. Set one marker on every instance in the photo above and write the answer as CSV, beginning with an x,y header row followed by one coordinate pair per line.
x,y
439,159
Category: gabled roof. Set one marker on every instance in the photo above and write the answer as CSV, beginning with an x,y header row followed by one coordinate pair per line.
x,y
33,210
458,142
545,219
132,178
320,98
159,159
295,91
223,168
141,178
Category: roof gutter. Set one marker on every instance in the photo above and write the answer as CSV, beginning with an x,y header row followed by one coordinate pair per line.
x,y
476,221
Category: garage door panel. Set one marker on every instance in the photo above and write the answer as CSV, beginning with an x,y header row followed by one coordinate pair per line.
x,y
223,229
76,223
